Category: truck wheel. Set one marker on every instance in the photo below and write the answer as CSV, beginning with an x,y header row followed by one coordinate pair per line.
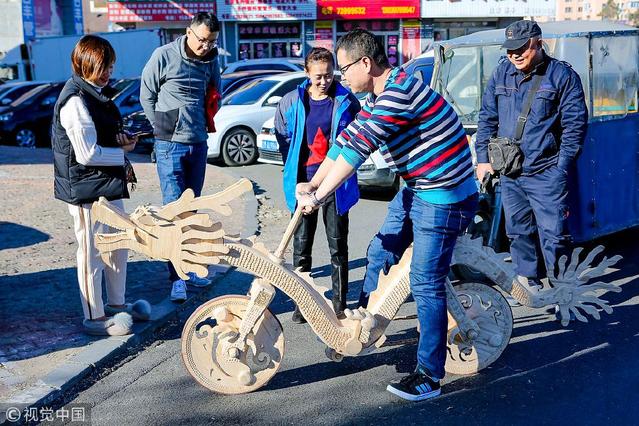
x,y
25,138
239,148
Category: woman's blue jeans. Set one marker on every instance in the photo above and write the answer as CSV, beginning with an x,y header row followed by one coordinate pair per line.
x,y
433,229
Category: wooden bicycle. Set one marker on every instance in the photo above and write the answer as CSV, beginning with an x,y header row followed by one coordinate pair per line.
x,y
233,344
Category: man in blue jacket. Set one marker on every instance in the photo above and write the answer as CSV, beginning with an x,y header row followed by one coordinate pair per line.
x,y
535,202
307,121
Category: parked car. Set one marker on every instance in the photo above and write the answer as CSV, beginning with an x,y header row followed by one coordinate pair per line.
x,y
137,124
234,80
267,145
11,91
281,64
243,112
127,96
422,66
27,120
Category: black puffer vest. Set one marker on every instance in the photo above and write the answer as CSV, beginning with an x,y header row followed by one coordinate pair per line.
x,y
75,183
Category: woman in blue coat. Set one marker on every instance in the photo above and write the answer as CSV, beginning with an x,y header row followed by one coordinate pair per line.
x,y
307,121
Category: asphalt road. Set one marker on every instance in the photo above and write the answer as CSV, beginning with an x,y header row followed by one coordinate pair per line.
x,y
580,374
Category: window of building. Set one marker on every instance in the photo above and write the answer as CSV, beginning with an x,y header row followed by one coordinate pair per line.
x,y
580,9
568,9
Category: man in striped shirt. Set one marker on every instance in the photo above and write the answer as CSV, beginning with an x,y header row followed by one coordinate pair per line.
x,y
423,141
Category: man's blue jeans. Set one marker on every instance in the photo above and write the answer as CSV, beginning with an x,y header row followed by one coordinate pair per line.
x,y
433,229
180,166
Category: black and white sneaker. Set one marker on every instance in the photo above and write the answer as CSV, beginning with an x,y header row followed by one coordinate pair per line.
x,y
415,387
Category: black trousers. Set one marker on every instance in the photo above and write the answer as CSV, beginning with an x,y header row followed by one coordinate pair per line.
x,y
337,236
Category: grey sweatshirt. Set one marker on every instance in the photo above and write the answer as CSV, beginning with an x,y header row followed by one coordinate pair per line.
x,y
172,91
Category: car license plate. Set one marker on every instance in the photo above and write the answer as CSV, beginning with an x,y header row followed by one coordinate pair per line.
x,y
270,145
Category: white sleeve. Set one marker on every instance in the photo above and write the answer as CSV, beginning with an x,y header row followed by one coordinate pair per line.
x,y
76,120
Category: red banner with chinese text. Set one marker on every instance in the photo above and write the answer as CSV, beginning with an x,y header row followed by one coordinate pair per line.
x,y
158,11
363,9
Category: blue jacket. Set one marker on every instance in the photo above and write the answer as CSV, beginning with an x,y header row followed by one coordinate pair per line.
x,y
556,126
290,122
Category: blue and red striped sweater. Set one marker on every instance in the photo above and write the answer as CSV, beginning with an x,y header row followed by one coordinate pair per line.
x,y
419,135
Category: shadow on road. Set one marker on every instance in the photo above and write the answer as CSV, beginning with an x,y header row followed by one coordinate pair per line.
x,y
42,312
542,377
14,235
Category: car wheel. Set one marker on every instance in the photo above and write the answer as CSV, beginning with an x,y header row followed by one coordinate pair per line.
x,y
239,148
26,138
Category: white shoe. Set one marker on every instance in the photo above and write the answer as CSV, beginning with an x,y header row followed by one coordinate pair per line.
x,y
196,281
118,325
178,292
140,310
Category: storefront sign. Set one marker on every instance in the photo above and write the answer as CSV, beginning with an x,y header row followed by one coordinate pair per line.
x,y
28,20
411,39
46,18
269,30
78,25
375,25
324,35
138,11
263,10
362,9
486,8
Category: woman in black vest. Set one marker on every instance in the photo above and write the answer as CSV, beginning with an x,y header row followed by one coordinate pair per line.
x,y
89,163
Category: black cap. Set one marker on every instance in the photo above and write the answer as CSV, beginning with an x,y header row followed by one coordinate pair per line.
x,y
518,33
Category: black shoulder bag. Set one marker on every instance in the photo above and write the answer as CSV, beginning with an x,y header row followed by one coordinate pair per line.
x,y
504,154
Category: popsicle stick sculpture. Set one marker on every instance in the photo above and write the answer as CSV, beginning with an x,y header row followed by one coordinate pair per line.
x,y
234,344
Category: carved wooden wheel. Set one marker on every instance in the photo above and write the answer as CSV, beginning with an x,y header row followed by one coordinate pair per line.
x,y
213,352
490,310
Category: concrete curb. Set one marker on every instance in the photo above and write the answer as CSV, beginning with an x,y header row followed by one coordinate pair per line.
x,y
100,352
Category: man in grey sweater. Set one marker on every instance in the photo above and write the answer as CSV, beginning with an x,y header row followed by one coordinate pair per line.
x,y
174,86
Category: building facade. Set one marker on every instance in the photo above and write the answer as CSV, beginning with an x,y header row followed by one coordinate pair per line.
x,y
289,28
622,11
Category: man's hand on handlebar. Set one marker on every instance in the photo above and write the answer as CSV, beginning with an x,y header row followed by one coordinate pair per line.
x,y
304,188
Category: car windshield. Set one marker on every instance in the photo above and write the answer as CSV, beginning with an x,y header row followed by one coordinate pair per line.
x,y
121,88
5,88
30,96
463,76
250,93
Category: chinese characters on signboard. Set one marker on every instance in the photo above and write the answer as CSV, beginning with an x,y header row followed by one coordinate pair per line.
x,y
269,31
28,19
156,11
78,25
363,9
374,25
323,35
263,10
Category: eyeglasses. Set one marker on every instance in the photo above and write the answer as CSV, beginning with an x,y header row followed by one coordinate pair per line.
x,y
346,67
204,41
